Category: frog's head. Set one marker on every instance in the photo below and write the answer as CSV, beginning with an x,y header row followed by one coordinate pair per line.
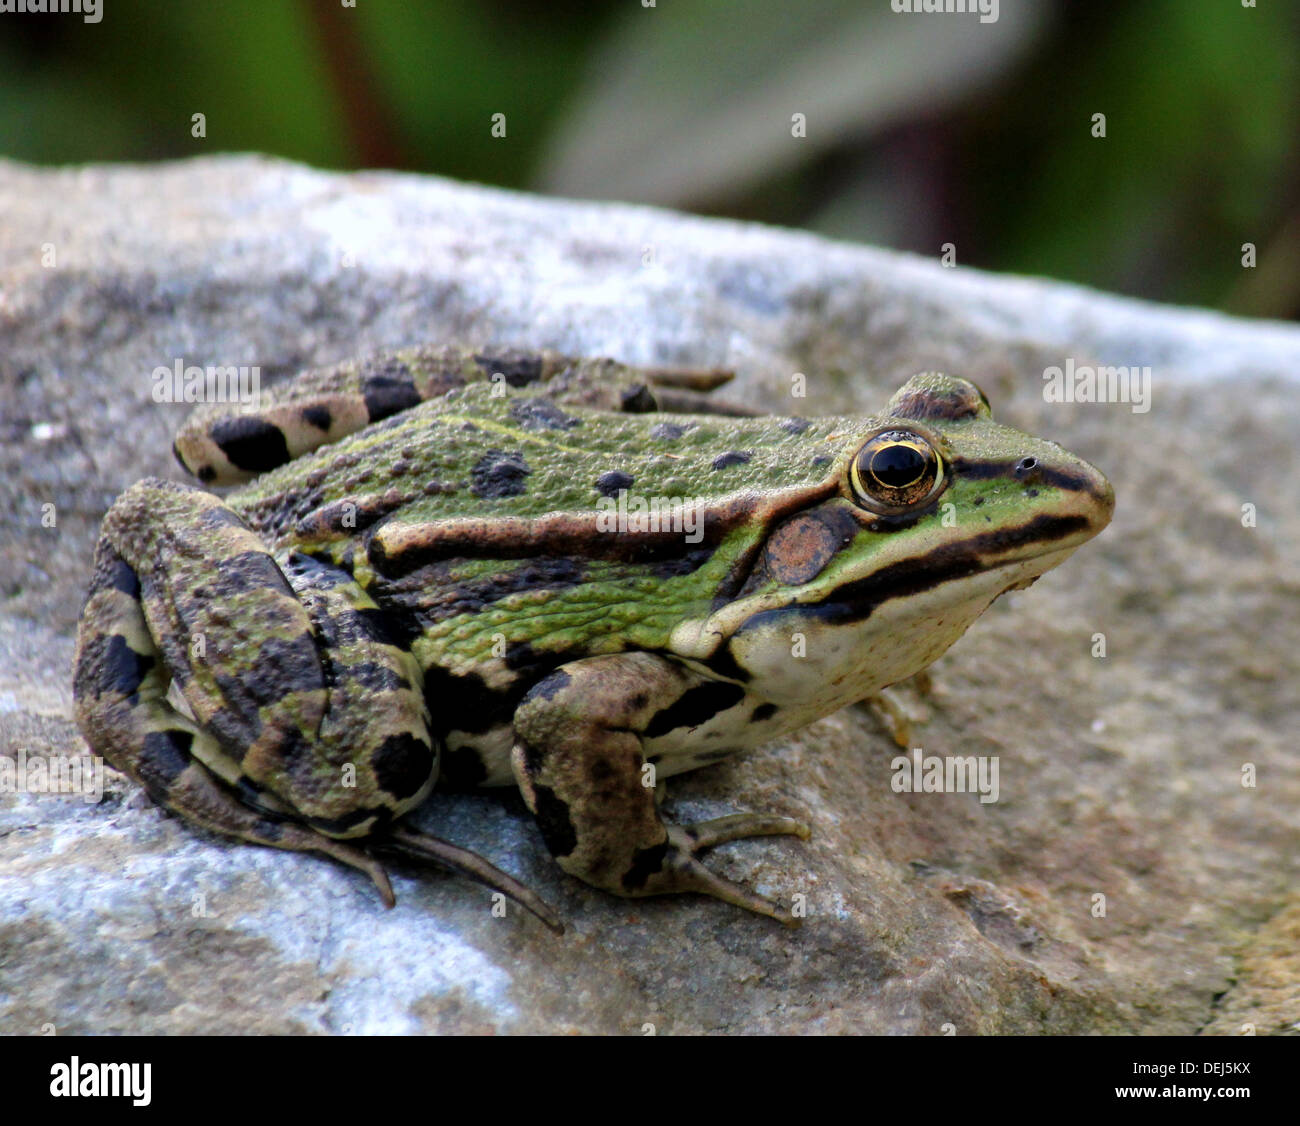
x,y
929,513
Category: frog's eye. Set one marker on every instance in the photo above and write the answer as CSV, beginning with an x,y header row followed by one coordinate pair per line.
x,y
896,472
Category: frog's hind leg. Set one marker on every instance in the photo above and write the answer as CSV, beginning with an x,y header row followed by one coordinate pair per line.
x,y
183,591
226,443
122,706
579,764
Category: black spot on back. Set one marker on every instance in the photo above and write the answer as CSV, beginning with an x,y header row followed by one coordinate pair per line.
x,y
249,443
611,481
669,431
695,706
795,425
730,458
499,474
541,414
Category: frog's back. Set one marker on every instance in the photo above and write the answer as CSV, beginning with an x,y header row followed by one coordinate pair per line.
x,y
505,536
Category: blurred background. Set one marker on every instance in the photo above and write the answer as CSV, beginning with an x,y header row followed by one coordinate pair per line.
x,y
919,130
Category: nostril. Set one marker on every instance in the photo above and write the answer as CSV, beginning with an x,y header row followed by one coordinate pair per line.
x,y
1026,465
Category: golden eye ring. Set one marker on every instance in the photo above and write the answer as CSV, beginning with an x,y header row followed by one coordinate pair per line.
x,y
896,472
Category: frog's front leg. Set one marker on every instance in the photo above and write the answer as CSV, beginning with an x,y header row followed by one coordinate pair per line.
x,y
579,762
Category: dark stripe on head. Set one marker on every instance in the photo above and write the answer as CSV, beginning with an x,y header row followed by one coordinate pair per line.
x,y
1019,469
857,600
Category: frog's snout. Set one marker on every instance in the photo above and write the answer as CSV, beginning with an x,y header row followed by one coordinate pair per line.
x,y
1090,495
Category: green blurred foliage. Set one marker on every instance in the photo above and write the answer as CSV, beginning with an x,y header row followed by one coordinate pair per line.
x,y
921,129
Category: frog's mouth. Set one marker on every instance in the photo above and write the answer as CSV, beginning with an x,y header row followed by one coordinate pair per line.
x,y
1044,541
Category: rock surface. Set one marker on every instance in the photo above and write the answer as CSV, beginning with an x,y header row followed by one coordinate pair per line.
x,y
1121,776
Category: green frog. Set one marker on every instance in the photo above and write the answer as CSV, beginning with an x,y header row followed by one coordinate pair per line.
x,y
456,569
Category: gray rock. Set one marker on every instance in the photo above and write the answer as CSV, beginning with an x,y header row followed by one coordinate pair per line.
x,y
1121,777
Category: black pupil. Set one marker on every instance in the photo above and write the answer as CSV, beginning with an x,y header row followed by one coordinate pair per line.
x,y
898,466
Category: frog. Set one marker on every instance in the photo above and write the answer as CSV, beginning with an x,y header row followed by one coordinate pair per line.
x,y
442,568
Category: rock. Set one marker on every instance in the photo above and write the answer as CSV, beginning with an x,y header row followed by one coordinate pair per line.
x,y
1121,776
